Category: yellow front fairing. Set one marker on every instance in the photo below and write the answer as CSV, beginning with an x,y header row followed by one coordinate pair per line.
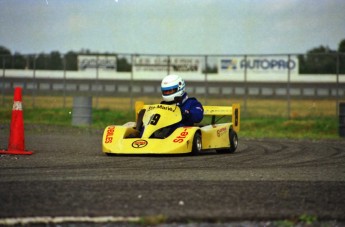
x,y
180,141
117,139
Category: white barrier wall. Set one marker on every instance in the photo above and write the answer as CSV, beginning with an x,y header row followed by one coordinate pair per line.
x,y
113,75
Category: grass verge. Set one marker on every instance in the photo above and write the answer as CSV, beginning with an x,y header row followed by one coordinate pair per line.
x,y
325,127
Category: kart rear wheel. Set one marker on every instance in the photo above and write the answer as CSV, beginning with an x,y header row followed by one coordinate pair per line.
x,y
233,143
197,144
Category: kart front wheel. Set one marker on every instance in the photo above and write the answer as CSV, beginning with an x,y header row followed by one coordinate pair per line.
x,y
197,143
233,143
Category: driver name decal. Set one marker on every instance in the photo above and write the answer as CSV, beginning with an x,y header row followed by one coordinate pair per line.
x,y
164,107
181,137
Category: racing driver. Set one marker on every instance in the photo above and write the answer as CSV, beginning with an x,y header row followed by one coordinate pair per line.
x,y
174,92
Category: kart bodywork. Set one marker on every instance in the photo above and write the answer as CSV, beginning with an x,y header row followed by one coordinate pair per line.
x,y
148,135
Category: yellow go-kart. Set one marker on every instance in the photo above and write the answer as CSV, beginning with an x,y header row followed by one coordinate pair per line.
x,y
151,133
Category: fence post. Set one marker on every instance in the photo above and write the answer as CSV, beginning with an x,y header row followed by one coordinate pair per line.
x,y
245,86
3,81
168,65
206,84
97,82
288,89
341,119
131,83
34,81
338,71
64,82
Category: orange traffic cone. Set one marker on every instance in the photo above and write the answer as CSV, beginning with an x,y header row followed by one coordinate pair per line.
x,y
16,144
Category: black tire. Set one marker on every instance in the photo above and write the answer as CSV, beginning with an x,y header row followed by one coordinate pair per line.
x,y
233,143
197,144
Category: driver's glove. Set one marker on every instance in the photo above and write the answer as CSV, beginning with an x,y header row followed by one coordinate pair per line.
x,y
185,114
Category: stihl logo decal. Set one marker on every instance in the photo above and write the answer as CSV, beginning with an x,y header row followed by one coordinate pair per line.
x,y
139,143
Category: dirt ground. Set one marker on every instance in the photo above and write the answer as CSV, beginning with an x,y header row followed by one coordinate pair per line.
x,y
263,180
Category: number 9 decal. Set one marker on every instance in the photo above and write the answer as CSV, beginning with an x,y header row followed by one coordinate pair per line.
x,y
154,119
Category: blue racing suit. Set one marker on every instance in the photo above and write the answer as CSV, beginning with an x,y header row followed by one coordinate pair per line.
x,y
191,110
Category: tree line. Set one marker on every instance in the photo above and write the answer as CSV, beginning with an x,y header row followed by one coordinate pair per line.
x,y
319,60
323,60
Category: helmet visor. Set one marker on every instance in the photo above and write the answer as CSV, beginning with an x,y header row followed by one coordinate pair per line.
x,y
169,91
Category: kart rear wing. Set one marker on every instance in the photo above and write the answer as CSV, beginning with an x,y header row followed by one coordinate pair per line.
x,y
233,111
138,106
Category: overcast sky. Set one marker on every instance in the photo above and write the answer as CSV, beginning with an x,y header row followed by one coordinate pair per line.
x,y
171,26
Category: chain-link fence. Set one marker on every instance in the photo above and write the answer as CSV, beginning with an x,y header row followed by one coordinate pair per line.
x,y
283,85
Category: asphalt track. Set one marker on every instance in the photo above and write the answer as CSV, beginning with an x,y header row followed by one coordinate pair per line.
x,y
265,179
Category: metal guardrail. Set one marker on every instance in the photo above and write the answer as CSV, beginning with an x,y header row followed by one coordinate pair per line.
x,y
277,90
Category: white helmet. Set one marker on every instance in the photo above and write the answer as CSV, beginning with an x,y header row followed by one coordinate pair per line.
x,y
172,86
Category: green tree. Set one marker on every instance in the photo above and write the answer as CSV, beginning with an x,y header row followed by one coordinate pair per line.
x,y
341,50
19,61
71,61
55,61
4,51
123,65
5,57
210,69
320,60
41,61
52,61
341,47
